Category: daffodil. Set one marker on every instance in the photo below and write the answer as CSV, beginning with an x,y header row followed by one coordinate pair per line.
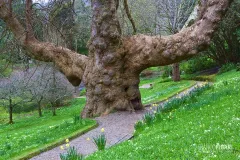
x,y
61,147
154,112
67,145
88,139
102,130
67,140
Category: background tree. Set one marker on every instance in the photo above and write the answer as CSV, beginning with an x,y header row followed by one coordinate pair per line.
x,y
48,87
58,89
111,70
225,46
60,23
172,16
13,92
38,86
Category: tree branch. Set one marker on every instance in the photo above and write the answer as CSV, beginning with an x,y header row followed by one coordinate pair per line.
x,y
147,51
69,62
125,3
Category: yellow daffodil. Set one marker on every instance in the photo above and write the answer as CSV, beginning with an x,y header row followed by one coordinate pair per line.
x,y
67,145
102,130
88,139
151,108
61,147
154,112
67,140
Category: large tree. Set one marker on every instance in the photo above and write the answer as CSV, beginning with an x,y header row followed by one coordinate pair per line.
x,y
111,71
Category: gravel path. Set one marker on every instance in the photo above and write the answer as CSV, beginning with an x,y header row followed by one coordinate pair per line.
x,y
119,126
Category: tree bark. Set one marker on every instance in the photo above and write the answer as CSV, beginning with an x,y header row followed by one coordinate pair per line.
x,y
39,109
10,111
53,109
109,84
176,72
111,72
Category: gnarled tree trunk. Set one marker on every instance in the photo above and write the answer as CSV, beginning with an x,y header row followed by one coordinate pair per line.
x,y
111,71
110,84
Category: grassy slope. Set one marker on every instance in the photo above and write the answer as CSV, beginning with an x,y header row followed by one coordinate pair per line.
x,y
162,90
31,134
207,127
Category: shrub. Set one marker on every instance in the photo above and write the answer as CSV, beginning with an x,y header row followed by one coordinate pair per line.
x,y
166,71
196,64
71,155
227,67
238,67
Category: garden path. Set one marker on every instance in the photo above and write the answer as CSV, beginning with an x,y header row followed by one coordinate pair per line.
x,y
118,126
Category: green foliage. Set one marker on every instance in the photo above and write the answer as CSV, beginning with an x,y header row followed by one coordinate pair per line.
x,y
148,118
78,119
71,155
227,67
82,92
196,64
225,46
30,134
139,126
238,67
167,71
207,78
191,131
100,141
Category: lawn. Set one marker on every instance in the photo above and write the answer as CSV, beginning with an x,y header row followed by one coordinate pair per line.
x,y
205,125
31,134
162,90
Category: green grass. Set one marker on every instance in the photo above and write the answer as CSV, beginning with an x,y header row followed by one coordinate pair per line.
x,y
31,134
203,126
162,90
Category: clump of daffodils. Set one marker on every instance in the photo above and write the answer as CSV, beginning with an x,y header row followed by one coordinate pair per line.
x,y
100,140
71,152
67,144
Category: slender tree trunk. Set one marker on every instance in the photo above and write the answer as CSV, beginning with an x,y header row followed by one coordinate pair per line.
x,y
10,111
53,109
176,72
39,109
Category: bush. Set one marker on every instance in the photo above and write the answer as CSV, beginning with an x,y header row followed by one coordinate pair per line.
x,y
238,67
209,78
227,67
196,64
167,71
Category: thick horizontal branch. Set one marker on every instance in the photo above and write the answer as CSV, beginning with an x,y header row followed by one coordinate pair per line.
x,y
146,51
69,62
